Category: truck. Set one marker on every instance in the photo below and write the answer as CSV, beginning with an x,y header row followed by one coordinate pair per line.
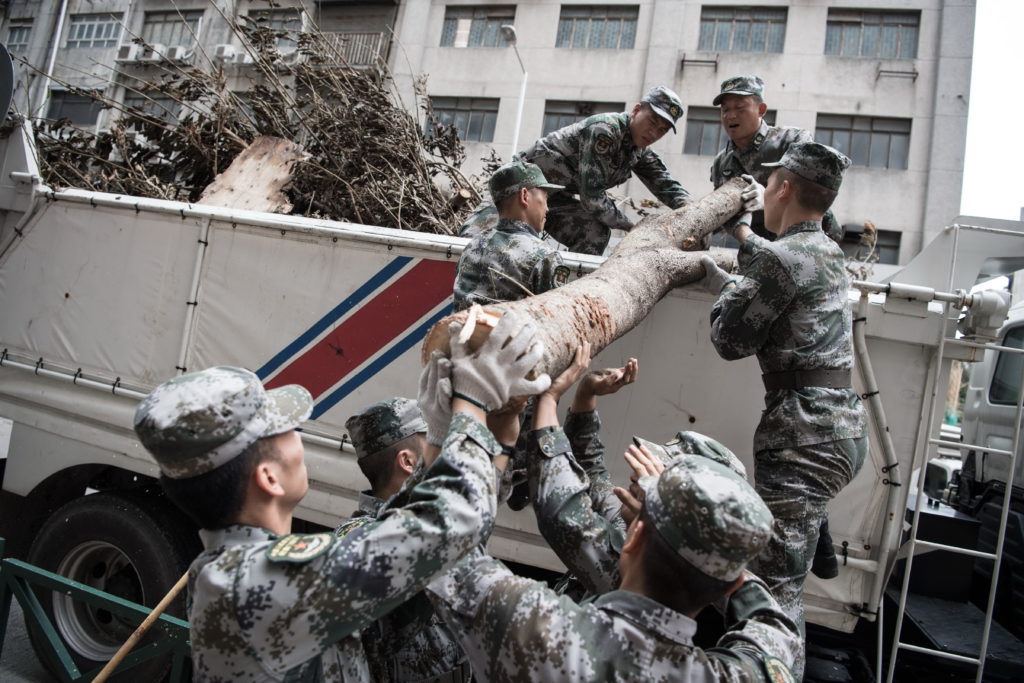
x,y
104,296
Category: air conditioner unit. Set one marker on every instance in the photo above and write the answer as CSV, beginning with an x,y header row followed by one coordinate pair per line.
x,y
153,53
129,52
176,53
242,58
224,51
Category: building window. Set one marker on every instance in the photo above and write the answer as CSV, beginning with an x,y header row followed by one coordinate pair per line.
x,y
1005,389
865,33
80,109
476,26
153,103
872,141
94,30
562,113
598,26
171,28
886,248
473,117
742,29
286,22
18,34
704,132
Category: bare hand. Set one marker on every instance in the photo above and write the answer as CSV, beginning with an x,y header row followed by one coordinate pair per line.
x,y
579,365
642,462
631,503
603,383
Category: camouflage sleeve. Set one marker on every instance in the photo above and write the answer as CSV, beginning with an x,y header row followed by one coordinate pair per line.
x,y
832,227
742,317
758,631
416,536
650,169
594,145
586,542
548,273
584,433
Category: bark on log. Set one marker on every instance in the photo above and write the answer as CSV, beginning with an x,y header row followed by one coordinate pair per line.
x,y
601,307
257,176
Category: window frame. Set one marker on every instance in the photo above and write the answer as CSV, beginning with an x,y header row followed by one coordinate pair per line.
x,y
742,22
80,23
173,18
23,24
842,21
278,19
570,33
581,110
856,145
711,116
484,26
62,95
480,106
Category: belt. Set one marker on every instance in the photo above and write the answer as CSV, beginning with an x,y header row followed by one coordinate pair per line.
x,y
795,379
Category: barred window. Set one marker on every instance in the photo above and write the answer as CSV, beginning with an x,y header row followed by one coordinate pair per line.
x,y
704,132
865,33
473,117
476,26
81,110
597,26
19,32
287,21
93,30
887,244
171,28
155,104
562,113
742,29
872,141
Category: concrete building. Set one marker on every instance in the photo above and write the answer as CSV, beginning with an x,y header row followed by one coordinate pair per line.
x,y
887,81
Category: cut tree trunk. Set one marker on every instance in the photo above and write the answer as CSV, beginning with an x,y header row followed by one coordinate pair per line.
x,y
600,307
257,176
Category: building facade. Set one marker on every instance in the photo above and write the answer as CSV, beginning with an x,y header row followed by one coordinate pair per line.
x,y
887,82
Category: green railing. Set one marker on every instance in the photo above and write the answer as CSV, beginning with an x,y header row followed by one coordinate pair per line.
x,y
17,580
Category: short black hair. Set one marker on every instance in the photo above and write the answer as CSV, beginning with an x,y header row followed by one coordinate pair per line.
x,y
670,579
380,466
214,499
809,194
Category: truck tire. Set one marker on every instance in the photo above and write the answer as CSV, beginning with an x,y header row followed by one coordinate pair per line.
x,y
133,545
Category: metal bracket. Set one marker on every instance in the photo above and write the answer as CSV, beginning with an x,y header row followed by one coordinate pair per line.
x,y
699,62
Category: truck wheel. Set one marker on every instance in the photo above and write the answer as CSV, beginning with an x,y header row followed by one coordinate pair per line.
x,y
133,546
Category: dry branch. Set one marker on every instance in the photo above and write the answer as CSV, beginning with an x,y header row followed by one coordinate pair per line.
x,y
606,304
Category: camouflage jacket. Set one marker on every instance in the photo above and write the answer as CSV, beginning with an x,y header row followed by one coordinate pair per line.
x,y
264,608
574,512
791,309
768,146
410,643
508,263
518,630
596,154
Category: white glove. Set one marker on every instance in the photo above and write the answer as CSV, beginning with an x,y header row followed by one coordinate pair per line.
x,y
435,397
497,370
715,279
752,195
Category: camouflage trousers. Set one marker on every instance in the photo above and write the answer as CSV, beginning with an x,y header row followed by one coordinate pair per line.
x,y
567,221
796,485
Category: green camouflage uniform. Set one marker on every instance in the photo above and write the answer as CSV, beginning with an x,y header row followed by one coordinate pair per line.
x,y
791,309
410,643
515,629
589,157
507,263
269,608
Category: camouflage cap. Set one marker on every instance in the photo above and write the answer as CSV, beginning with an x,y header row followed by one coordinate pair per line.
x,y
711,516
515,176
740,85
665,104
816,162
693,443
197,422
383,424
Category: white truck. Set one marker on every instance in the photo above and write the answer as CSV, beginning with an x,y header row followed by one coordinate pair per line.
x,y
102,297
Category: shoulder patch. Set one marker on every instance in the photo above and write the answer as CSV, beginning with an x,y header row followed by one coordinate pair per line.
x,y
777,671
300,547
603,143
351,525
561,275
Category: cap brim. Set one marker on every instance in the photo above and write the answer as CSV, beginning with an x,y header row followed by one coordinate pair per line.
x,y
287,408
718,100
664,114
551,186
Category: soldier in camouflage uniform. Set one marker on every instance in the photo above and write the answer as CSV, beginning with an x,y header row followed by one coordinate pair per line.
x,y
699,526
594,155
411,643
511,261
752,142
790,307
268,605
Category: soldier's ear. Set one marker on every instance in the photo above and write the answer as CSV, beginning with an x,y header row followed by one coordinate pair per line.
x,y
524,196
762,108
406,459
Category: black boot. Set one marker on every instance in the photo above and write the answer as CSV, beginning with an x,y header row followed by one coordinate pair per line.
x,y
824,565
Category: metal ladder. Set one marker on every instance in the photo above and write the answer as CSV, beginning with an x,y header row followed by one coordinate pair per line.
x,y
937,398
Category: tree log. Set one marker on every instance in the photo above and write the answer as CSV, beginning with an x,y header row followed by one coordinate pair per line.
x,y
600,307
